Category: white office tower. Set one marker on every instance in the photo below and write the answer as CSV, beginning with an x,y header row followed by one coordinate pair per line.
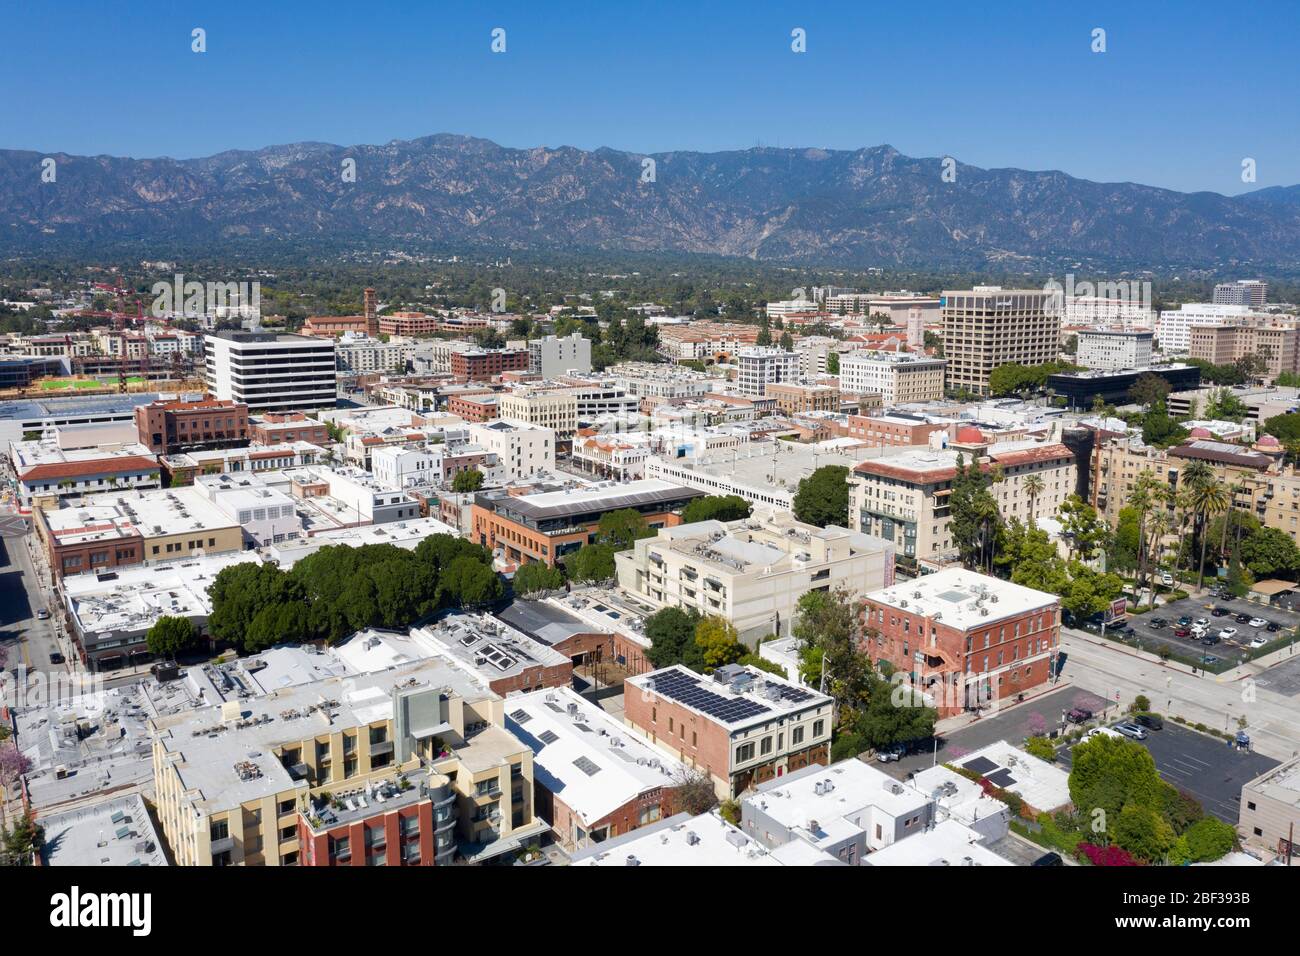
x,y
270,371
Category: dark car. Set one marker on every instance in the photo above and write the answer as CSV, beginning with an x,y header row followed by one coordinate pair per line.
x,y
1211,639
1209,660
1048,859
1273,626
1150,721
1243,618
1079,715
1184,621
56,657
1129,632
1158,622
1220,611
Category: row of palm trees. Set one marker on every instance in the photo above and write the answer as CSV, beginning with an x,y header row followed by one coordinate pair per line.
x,y
1161,508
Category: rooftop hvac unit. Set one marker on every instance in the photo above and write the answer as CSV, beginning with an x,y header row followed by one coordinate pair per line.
x,y
984,612
692,838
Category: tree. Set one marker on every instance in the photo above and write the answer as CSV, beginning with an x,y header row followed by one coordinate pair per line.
x,y
692,792
23,842
1208,498
975,516
1089,591
591,562
894,714
1285,428
1143,832
282,624
718,642
171,635
240,591
1042,748
832,363
826,626
535,577
1122,549
470,583
620,529
671,632
1270,552
467,481
823,497
1033,486
716,508
1208,839
1149,390
13,764
1082,528
1158,429
1225,406
1109,773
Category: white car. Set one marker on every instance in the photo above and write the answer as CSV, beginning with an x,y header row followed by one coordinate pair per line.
x,y
1201,622
1228,632
1166,579
1257,642
1100,730
1257,622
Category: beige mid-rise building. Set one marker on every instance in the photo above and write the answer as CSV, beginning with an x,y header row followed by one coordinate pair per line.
x,y
557,410
1277,345
988,326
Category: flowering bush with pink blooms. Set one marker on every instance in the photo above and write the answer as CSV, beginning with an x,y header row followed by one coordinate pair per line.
x,y
1107,855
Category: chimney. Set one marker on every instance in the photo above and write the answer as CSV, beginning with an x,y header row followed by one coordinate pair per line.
x,y
372,314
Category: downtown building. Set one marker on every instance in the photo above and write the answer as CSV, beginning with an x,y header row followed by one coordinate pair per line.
x,y
273,372
988,326
898,377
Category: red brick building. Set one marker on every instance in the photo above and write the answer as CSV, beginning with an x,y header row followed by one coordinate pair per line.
x,y
483,365
281,428
410,827
965,639
883,430
481,407
167,427
741,725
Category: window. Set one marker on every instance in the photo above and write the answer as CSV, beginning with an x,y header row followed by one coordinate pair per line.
x,y
765,747
818,727
744,752
796,736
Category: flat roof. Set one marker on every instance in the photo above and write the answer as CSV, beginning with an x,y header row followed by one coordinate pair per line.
x,y
116,832
487,646
74,407
961,598
681,840
606,496
1037,782
949,843
734,696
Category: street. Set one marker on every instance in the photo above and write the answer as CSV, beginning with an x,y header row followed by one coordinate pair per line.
x,y
1217,702
26,640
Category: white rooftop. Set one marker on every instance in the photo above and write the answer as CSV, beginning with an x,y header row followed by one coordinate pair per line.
x,y
963,599
116,832
682,840
1039,783
948,844
585,757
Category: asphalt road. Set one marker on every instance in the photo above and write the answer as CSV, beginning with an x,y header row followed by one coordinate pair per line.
x,y
26,640
1203,766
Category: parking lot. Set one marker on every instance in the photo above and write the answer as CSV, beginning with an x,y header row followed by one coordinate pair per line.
x,y
1229,651
1204,766
1042,715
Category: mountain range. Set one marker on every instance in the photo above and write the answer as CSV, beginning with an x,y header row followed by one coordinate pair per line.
x,y
851,208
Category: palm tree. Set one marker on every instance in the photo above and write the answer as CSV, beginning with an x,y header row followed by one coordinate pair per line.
x,y
1033,485
1208,500
1160,525
1141,499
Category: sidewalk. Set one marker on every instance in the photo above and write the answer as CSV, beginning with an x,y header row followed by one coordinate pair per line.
x,y
959,721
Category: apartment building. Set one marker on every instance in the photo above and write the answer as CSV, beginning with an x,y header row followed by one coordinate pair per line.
x,y
523,450
1278,346
270,371
245,782
707,342
795,399
548,525
964,639
595,780
899,377
361,354
554,409
988,326
760,367
741,726
904,498
556,355
1114,349
1174,326
751,572
169,427
432,465
657,382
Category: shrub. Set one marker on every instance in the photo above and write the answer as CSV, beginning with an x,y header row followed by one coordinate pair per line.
x,y
1140,704
1107,855
1041,748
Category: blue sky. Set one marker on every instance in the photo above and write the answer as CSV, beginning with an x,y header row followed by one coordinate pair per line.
x,y
1184,91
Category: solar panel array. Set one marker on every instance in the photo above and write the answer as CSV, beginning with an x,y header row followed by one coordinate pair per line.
x,y
687,690
796,694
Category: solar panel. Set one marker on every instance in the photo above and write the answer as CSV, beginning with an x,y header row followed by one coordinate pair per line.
x,y
1002,779
687,690
981,765
586,766
548,737
521,716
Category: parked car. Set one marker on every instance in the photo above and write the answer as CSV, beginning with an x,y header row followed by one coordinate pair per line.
x,y
1182,632
56,657
1079,715
1099,732
1133,730
1211,639
1243,618
1184,621
1257,642
1257,622
1158,622
1201,622
1273,627
1220,611
1048,859
1150,721
1209,660
1227,632
891,753
1129,632
42,614
1166,579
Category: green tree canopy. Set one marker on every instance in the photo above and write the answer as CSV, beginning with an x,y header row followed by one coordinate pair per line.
x,y
467,481
823,497
671,632
170,636
591,562
620,529
716,508
718,642
535,577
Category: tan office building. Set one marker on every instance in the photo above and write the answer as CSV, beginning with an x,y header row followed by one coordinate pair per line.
x,y
988,326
